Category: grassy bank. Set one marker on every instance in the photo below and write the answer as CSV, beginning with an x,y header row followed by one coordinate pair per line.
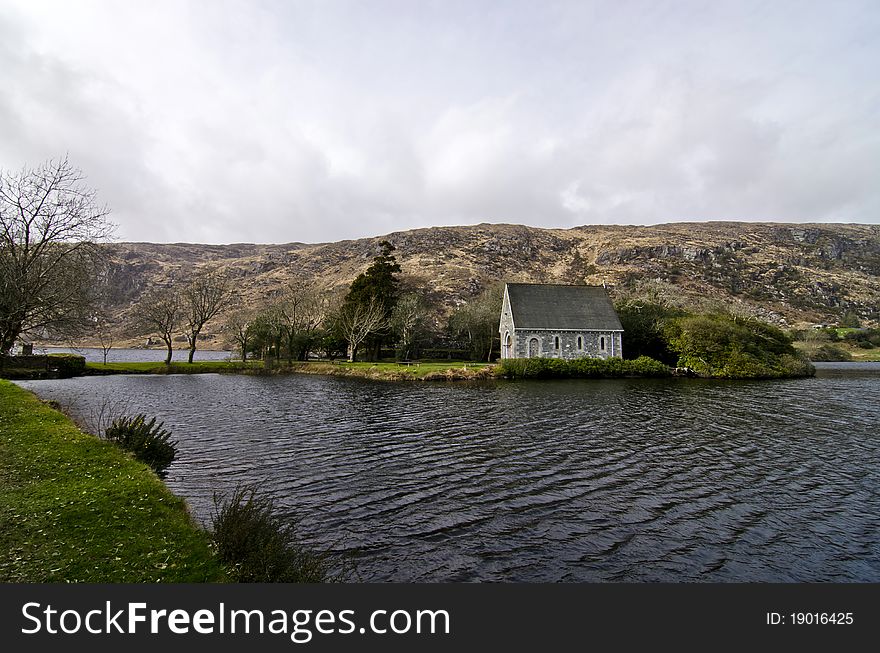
x,y
839,351
197,367
74,508
865,355
444,371
429,371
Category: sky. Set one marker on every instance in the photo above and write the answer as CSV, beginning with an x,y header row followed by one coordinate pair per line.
x,y
222,121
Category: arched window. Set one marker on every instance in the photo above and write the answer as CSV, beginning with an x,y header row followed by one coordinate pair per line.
x,y
602,343
533,348
556,342
580,342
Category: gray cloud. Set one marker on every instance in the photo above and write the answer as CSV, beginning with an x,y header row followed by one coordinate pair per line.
x,y
314,121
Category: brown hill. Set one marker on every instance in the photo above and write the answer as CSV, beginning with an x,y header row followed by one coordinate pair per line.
x,y
791,274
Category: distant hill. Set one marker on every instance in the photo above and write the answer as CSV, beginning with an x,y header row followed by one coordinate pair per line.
x,y
790,274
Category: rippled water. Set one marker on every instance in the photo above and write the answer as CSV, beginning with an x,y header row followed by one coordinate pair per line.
x,y
121,355
616,480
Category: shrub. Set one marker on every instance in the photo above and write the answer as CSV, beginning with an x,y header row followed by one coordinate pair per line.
x,y
830,354
258,545
68,365
725,346
796,365
584,368
146,440
644,324
850,320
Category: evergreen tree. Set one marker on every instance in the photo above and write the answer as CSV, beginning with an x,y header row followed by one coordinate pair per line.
x,y
378,285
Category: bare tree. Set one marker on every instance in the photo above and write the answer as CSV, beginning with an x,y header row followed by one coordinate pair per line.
x,y
478,320
49,226
301,309
207,293
407,319
161,312
104,332
356,321
243,326
269,331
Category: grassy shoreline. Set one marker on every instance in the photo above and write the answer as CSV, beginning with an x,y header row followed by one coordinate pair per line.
x,y
538,368
74,508
383,371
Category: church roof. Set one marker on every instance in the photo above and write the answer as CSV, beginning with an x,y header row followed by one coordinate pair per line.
x,y
552,306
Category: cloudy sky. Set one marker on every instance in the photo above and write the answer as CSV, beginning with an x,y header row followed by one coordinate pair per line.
x,y
225,121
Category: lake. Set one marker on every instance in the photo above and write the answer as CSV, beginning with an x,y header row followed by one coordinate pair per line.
x,y
95,355
594,480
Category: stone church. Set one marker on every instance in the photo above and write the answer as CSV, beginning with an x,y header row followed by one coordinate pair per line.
x,y
558,321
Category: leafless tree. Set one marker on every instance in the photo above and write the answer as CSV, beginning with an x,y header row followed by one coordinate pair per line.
x,y
50,224
301,309
242,326
104,333
358,320
160,311
478,320
407,319
206,294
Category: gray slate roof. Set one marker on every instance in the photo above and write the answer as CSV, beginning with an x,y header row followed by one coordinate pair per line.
x,y
549,306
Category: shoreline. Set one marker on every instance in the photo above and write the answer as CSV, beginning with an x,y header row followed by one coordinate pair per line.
x,y
78,509
458,371
511,369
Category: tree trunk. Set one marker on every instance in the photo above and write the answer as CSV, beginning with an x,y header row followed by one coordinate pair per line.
x,y
351,353
192,345
11,331
170,352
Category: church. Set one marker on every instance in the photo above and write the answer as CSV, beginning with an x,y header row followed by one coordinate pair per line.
x,y
559,321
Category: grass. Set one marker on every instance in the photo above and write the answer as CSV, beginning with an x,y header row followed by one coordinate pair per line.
x,y
259,545
74,508
865,355
427,371
857,354
197,367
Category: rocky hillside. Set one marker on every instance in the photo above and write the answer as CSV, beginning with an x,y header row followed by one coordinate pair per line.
x,y
788,274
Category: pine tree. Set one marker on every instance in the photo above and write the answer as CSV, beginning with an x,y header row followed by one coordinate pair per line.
x,y
378,285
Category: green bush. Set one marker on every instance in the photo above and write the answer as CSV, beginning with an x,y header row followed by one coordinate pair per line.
x,y
644,323
796,366
146,440
258,546
724,346
68,365
830,354
850,320
583,368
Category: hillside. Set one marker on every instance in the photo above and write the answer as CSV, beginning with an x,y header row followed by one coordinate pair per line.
x,y
790,274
